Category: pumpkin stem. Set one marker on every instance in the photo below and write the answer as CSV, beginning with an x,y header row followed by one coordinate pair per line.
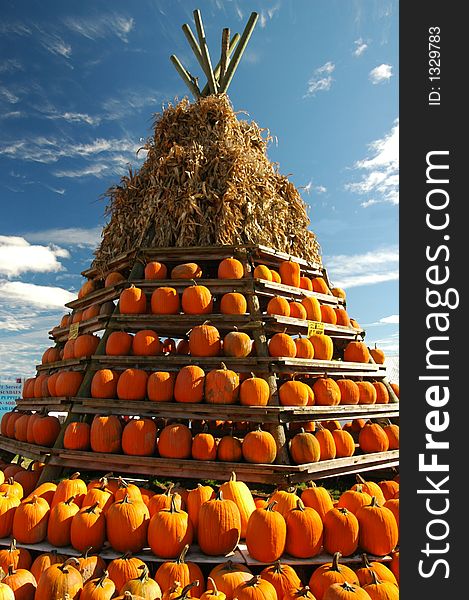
x,y
11,570
365,561
374,502
233,476
277,567
214,586
70,500
312,484
145,573
219,495
13,545
271,505
335,562
182,556
359,488
374,577
72,561
173,507
254,581
75,475
185,589
300,505
303,591
360,479
102,579
10,481
126,499
348,587
93,507
168,489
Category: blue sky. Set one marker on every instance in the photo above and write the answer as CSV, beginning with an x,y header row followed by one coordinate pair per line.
x,y
80,83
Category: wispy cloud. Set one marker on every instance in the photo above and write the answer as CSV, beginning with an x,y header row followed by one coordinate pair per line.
x,y
18,256
13,114
321,81
373,267
309,187
14,28
267,14
9,65
42,296
130,101
68,236
102,26
380,74
54,44
390,320
381,171
8,95
75,117
360,47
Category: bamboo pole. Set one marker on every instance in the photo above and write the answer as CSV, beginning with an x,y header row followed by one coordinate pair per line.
x,y
225,45
207,65
238,53
186,77
194,44
235,39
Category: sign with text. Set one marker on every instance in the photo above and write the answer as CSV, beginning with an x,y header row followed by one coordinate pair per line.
x,y
73,331
315,327
10,391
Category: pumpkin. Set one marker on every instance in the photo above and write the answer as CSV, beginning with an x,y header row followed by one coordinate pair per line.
x,y
380,569
85,345
325,438
8,504
367,392
91,312
304,348
282,577
30,521
352,500
329,574
12,488
139,437
146,343
105,434
45,430
28,479
175,441
77,436
127,525
371,488
382,394
229,449
237,344
328,314
304,448
290,273
169,347
254,391
262,272
278,306
159,501
256,589
171,571
119,343
349,391
344,443
183,347
372,438
392,433
393,505
143,586
304,532
381,590
293,393
189,384
259,447
379,533
197,300
219,526
298,311
130,490
323,346
326,392
107,308
77,315
13,468
99,588
282,345
88,529
132,384
213,593
160,386
241,495
229,575
340,531
132,301
357,352
113,278
102,495
186,271
394,564
18,558
155,270
21,582
395,387
317,497
126,567
389,488
68,383
233,303
60,580
345,591
195,499
6,593
60,522
45,490
320,285
275,276
32,419
230,268
342,317
21,428
72,486
69,349
204,446
378,355
221,386
88,287
169,531
44,561
204,340
306,283
312,307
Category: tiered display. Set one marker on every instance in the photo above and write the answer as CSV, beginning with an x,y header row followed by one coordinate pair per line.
x,y
196,352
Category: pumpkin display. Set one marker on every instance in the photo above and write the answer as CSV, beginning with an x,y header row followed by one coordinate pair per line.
x,y
127,525
180,571
282,345
345,591
229,575
99,588
241,495
186,271
379,533
219,526
221,386
139,437
146,343
132,301
169,531
298,311
304,532
230,268
254,391
19,558
60,522
278,306
237,344
290,273
175,441
340,531
132,384
30,521
372,438
126,567
305,448
329,574
317,497
381,570
77,436
8,504
105,434
262,272
60,580
229,449
196,300
259,447
323,346
312,307
256,589
189,384
143,586
293,393
204,340
233,303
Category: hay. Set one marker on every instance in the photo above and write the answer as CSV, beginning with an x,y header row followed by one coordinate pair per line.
x,y
206,180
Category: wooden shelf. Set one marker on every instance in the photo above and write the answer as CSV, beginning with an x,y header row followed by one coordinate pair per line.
x,y
196,469
98,323
49,404
122,261
71,364
98,296
24,449
232,412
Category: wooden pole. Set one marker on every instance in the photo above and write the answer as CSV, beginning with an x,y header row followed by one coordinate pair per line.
x,y
194,44
186,77
235,39
238,53
225,45
207,65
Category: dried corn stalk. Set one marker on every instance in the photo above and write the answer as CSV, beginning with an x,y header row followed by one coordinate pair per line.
x,y
206,180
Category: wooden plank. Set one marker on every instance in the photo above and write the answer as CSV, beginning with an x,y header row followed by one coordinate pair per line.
x,y
272,288
48,404
121,261
174,362
319,559
191,254
174,325
107,553
71,364
278,323
111,292
24,449
267,252
98,323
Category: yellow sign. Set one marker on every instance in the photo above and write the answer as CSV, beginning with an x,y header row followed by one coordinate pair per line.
x,y
315,327
73,331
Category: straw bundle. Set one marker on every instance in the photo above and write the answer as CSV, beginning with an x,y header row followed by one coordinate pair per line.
x,y
206,180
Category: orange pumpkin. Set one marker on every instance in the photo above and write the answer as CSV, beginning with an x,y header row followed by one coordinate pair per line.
x,y
189,384
230,268
165,301
155,270
197,300
132,301
132,385
233,303
160,386
204,340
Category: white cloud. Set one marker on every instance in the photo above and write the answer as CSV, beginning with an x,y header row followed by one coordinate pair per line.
x,y
9,65
267,14
321,81
69,236
373,267
380,180
394,319
8,95
98,27
14,28
54,43
13,114
360,47
130,101
319,189
76,117
18,256
381,73
41,296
